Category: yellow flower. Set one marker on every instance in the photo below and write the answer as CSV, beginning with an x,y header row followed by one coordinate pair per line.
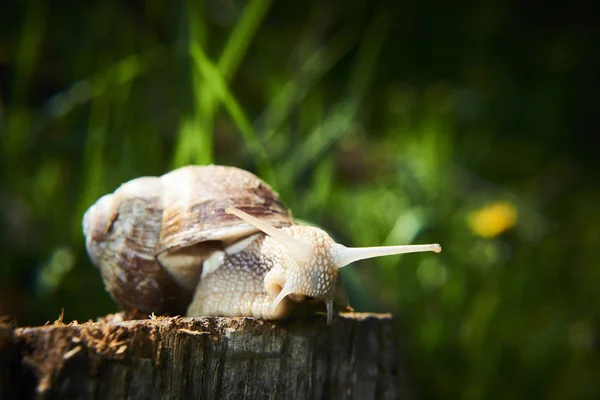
x,y
493,219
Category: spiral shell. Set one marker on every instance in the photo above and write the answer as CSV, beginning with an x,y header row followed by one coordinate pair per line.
x,y
181,213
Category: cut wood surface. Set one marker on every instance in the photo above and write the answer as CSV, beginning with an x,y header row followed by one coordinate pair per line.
x,y
209,358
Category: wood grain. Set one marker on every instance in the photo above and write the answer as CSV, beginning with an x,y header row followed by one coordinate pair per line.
x,y
208,358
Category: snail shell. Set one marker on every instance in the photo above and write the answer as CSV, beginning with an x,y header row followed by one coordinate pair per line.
x,y
151,236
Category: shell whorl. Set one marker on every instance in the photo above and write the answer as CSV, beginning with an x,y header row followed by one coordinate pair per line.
x,y
122,234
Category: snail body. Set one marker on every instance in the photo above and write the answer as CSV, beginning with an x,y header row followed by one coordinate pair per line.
x,y
214,241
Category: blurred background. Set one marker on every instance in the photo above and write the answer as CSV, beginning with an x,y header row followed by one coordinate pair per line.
x,y
383,122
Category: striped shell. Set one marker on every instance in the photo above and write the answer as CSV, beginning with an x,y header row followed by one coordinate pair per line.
x,y
130,233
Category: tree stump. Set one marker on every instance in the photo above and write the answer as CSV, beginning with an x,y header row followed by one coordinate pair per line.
x,y
187,358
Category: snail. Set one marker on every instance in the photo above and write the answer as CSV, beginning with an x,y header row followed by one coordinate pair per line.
x,y
215,241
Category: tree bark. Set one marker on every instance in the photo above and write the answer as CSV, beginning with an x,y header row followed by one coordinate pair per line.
x,y
223,358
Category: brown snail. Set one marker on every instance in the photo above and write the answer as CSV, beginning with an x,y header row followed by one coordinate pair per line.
x,y
214,240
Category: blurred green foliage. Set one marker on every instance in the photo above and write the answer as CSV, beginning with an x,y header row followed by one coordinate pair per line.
x,y
383,122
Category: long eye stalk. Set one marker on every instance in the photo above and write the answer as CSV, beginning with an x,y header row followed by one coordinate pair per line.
x,y
342,255
297,248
